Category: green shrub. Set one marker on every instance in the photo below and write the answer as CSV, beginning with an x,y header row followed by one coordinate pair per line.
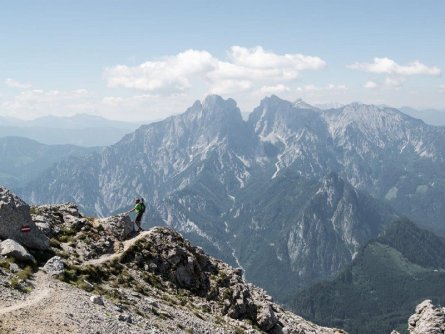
x,y
14,283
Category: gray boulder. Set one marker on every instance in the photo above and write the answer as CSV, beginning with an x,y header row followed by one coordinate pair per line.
x,y
95,299
16,222
54,266
13,249
266,317
120,226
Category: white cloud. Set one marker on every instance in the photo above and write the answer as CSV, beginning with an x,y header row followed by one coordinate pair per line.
x,y
259,58
442,88
229,86
370,85
245,69
388,66
38,102
16,84
145,107
329,87
277,89
394,82
172,74
396,73
337,87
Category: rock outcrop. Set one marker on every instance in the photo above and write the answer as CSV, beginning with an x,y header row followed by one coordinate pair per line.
x,y
427,319
121,226
51,219
16,222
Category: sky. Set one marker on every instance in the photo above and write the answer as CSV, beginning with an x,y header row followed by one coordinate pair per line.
x,y
145,60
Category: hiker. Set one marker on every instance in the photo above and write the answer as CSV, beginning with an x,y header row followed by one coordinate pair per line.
x,y
139,208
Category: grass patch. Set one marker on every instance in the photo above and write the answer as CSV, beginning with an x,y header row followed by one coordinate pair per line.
x,y
14,283
25,273
53,242
5,263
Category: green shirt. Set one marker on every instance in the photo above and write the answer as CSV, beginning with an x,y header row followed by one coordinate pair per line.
x,y
138,208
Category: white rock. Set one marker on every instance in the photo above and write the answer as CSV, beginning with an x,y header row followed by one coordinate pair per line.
x,y
54,266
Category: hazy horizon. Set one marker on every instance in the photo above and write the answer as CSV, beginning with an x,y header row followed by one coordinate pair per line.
x,y
105,117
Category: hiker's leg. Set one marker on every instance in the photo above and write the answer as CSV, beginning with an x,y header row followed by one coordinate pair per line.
x,y
138,222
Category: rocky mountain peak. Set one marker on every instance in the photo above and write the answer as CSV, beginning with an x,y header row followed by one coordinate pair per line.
x,y
273,101
276,119
215,101
213,108
363,116
214,118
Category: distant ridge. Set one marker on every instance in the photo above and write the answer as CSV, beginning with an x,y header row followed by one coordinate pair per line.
x,y
385,282
81,130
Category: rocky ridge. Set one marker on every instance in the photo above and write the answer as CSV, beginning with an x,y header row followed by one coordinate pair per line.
x,y
95,278
427,319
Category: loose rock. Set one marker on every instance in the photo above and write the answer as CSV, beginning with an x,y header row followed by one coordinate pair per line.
x,y
97,300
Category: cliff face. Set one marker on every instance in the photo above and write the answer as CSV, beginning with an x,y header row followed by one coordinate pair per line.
x,y
103,278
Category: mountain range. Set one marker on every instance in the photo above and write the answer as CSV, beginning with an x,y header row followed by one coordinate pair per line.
x,y
294,190
23,160
81,130
429,116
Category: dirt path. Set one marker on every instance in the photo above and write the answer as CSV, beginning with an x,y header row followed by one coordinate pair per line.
x,y
41,290
109,257
43,303
55,307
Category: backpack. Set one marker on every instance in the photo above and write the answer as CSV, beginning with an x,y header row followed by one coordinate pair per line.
x,y
142,205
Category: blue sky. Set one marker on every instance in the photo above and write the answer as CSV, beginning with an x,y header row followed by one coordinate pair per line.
x,y
145,60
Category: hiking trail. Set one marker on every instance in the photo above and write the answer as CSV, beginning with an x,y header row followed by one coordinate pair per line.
x,y
110,257
41,290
